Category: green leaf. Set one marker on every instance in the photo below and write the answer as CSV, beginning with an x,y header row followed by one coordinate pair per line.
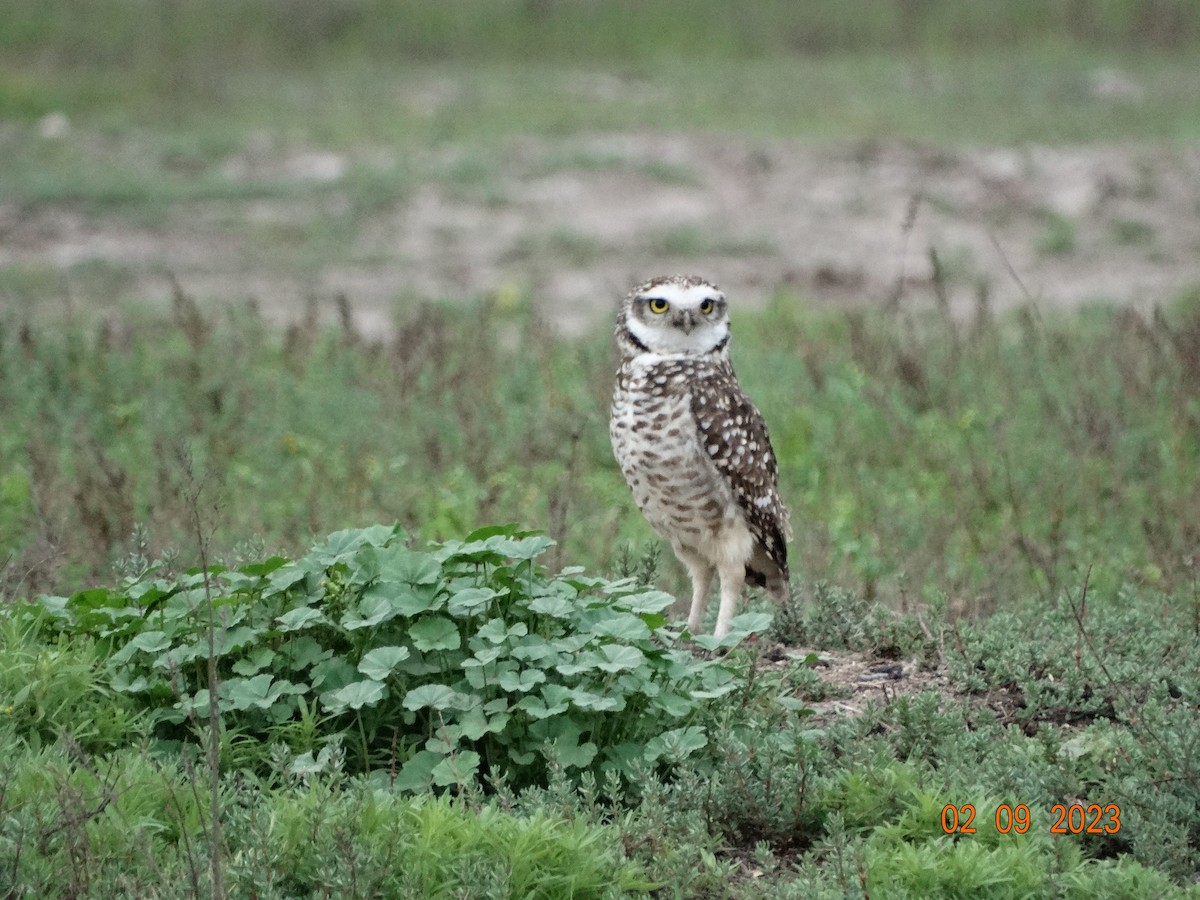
x,y
467,600
301,617
483,656
535,648
93,599
379,663
715,682
257,659
355,695
266,567
795,704
259,692
304,764
437,696
151,641
372,610
588,700
522,682
341,545
435,633
406,599
750,623
362,567
527,547
676,745
490,531
285,577
197,703
418,666
509,544
673,704
553,605
624,757
496,631
398,563
627,627
654,621
473,724
583,662
575,757
618,658
637,683
332,673
538,708
56,607
122,685
571,643
226,640
647,602
416,774
303,651
459,768
442,747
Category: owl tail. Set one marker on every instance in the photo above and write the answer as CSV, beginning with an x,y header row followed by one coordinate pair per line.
x,y
764,572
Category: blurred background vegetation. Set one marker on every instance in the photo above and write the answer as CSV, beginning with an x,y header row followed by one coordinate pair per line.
x,y
168,57
145,34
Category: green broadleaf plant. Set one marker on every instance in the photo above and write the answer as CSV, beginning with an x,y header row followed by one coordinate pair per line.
x,y
442,666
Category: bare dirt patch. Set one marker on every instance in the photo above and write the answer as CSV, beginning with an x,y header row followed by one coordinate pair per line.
x,y
574,222
854,681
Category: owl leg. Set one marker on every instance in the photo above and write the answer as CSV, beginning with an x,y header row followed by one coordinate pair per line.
x,y
701,572
733,577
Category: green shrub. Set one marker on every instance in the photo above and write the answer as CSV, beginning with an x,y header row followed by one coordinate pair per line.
x,y
440,666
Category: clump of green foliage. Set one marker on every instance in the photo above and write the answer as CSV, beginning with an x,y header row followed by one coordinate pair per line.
x,y
439,666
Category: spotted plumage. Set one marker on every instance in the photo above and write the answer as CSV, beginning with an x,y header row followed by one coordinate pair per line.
x,y
693,448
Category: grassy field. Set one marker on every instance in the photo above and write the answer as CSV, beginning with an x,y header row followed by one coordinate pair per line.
x,y
266,634
1009,505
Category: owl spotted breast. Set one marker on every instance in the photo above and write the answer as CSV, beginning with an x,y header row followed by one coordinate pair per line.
x,y
693,448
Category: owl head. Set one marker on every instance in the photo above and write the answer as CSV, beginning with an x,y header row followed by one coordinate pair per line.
x,y
676,315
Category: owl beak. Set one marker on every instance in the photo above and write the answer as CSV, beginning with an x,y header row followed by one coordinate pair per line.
x,y
686,320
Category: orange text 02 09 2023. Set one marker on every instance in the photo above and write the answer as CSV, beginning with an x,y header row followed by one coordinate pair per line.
x,y
1064,818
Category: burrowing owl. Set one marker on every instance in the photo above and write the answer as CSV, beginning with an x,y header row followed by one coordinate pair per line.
x,y
692,446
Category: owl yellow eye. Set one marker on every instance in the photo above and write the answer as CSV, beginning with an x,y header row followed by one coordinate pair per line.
x,y
707,306
658,305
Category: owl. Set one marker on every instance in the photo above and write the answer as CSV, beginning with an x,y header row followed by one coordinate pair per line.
x,y
693,448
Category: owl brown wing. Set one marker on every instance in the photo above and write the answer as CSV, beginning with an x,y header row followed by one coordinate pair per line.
x,y
736,439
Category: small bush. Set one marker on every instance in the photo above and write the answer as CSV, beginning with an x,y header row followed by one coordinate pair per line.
x,y
439,666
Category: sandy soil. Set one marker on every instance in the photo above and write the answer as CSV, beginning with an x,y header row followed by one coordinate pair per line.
x,y
576,222
854,682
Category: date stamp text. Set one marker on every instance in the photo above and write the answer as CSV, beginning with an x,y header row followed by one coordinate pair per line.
x,y
1064,819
